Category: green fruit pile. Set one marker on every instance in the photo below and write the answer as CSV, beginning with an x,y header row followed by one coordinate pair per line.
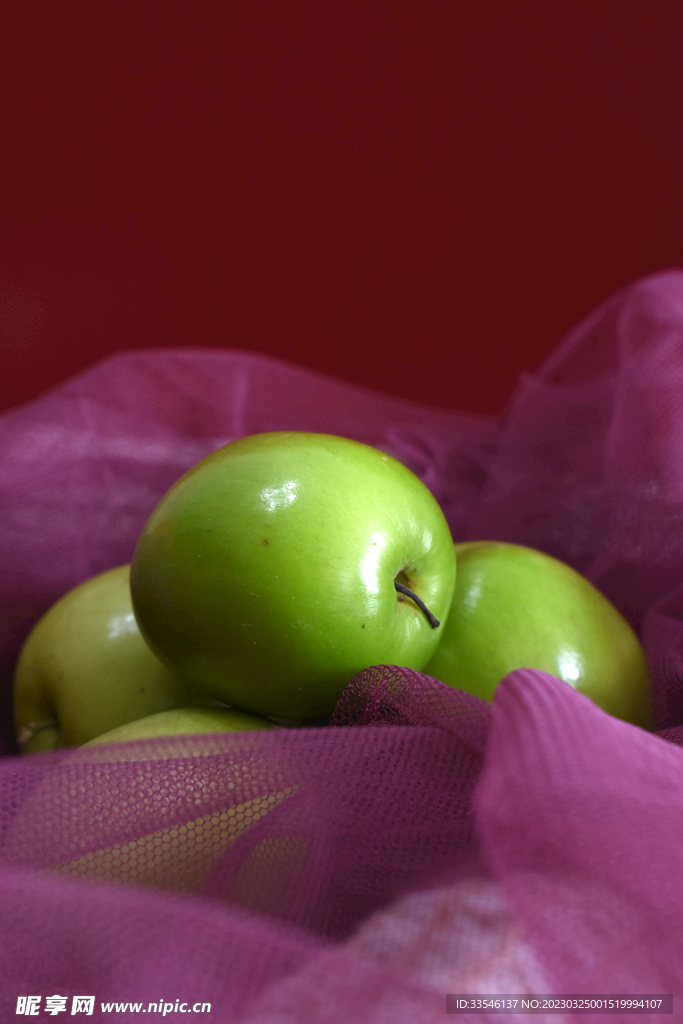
x,y
278,568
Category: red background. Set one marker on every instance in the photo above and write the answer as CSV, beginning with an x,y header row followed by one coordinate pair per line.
x,y
419,197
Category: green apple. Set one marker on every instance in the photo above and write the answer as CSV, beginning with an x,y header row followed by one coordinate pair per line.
x,y
284,563
85,669
515,607
211,808
191,721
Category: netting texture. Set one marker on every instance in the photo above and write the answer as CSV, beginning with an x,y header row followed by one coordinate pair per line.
x,y
424,842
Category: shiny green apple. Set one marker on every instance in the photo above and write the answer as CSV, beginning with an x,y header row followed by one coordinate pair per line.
x,y
85,669
284,563
190,721
515,607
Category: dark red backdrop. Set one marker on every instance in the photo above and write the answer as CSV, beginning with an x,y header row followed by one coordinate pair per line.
x,y
419,197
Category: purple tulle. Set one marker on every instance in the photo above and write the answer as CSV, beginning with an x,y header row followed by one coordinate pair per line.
x,y
423,843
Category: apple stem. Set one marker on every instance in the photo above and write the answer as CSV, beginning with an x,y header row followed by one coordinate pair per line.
x,y
432,619
27,732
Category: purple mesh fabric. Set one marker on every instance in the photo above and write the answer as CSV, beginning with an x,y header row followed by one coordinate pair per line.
x,y
423,843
